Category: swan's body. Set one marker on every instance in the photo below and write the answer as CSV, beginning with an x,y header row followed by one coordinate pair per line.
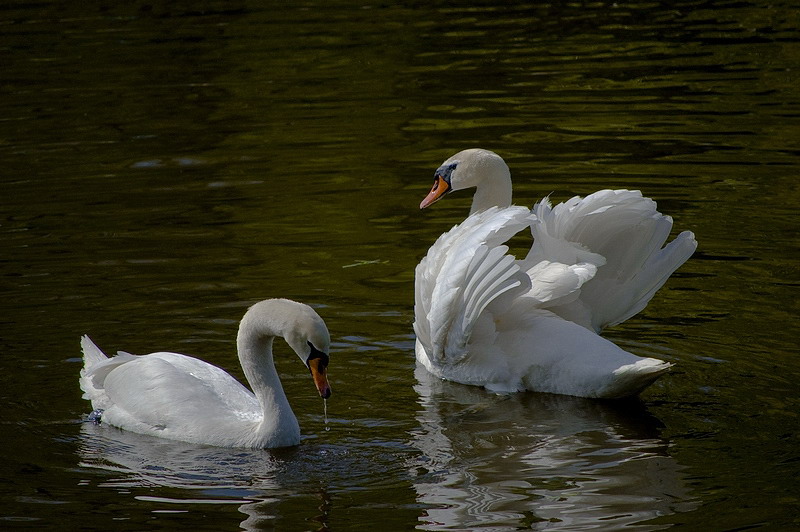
x,y
182,398
484,318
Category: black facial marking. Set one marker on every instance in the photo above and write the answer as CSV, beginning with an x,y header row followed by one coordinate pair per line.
x,y
316,353
445,172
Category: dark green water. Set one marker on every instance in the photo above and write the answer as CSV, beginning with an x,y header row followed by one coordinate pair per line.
x,y
164,166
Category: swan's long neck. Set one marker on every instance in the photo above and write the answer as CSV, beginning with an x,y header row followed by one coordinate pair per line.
x,y
254,343
492,185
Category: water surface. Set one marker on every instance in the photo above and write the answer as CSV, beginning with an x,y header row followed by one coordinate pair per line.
x,y
165,166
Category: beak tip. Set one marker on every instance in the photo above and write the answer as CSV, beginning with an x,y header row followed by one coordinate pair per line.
x,y
320,378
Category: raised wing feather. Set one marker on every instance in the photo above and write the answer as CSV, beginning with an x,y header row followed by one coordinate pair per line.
x,y
465,270
627,232
490,274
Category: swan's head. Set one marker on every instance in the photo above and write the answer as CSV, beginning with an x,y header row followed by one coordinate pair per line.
x,y
300,326
465,169
309,338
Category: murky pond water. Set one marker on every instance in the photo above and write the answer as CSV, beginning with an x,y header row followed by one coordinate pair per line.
x,y
165,166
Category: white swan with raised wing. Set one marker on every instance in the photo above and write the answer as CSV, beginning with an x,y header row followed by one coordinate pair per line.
x,y
482,317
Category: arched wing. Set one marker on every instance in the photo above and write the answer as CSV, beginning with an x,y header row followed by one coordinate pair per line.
x,y
464,271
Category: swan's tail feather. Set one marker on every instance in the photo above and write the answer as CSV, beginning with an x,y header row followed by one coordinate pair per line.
x,y
631,379
93,358
96,366
92,355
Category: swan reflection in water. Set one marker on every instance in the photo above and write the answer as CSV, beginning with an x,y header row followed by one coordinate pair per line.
x,y
258,481
473,460
545,461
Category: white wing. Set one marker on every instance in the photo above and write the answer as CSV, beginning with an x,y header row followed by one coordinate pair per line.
x,y
464,271
165,394
621,233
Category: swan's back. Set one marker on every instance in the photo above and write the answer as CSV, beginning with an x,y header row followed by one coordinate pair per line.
x,y
169,395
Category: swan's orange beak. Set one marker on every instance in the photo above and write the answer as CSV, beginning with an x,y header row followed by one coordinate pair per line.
x,y
318,373
440,188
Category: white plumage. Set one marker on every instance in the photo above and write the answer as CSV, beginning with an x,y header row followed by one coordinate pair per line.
x,y
484,317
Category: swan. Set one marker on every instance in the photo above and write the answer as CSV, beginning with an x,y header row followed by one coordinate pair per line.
x,y
483,317
183,398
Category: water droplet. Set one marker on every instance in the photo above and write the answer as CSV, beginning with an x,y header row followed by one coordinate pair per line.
x,y
325,406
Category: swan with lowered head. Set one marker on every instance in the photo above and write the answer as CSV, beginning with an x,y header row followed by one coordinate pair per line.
x,y
482,317
182,398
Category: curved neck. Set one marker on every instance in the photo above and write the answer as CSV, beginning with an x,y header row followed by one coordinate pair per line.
x,y
255,356
493,190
